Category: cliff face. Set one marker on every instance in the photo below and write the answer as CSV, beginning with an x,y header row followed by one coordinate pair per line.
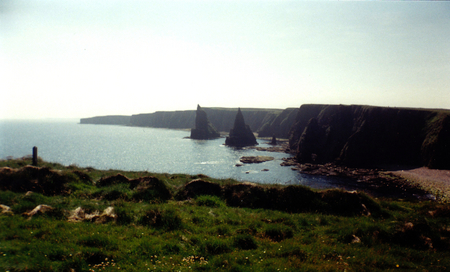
x,y
367,136
107,120
221,118
241,134
203,128
278,124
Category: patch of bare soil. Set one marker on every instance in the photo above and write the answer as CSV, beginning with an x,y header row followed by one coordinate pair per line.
x,y
433,180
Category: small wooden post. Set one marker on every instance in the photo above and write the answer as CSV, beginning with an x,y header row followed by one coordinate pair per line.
x,y
35,156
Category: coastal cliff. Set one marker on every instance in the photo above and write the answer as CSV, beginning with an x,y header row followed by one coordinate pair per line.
x,y
364,136
265,122
107,120
221,118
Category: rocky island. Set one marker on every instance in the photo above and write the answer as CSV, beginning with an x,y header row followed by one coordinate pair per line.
x,y
203,128
241,134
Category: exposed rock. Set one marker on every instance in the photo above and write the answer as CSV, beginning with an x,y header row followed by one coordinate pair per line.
x,y
79,215
203,128
40,209
241,134
107,215
355,239
274,140
256,159
5,209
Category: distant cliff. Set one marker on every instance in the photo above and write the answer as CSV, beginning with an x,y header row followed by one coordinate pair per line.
x,y
265,122
279,124
367,136
107,120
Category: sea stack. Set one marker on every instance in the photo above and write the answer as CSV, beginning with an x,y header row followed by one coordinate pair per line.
x,y
203,128
240,134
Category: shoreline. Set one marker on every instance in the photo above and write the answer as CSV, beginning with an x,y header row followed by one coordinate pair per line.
x,y
380,183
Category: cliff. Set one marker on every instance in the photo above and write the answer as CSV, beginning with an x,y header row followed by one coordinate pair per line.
x,y
364,136
107,120
221,118
240,135
203,128
279,124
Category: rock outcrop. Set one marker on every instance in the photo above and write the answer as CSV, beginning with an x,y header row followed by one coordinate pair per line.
x,y
255,159
241,134
203,128
367,136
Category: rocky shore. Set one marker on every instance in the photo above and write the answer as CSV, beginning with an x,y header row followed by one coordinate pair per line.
x,y
375,182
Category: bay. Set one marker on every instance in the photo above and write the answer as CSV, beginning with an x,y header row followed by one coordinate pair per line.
x,y
146,149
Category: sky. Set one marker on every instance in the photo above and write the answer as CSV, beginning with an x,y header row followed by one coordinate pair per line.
x,y
83,58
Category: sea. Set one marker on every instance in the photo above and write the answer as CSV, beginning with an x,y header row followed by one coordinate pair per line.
x,y
154,150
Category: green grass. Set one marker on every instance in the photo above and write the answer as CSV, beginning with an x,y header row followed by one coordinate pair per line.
x,y
209,233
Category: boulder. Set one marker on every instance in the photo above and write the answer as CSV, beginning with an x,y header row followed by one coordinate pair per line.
x,y
241,134
5,209
79,215
40,209
203,128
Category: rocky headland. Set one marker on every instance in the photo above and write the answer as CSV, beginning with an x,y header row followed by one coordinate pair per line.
x,y
366,136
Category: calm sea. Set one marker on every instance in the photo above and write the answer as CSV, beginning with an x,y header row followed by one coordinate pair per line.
x,y
145,149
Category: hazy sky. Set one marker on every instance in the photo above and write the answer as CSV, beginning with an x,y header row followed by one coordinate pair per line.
x,y
74,59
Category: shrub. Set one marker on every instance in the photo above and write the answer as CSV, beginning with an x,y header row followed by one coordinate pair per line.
x,y
123,215
217,246
151,189
244,241
97,240
209,201
278,232
166,219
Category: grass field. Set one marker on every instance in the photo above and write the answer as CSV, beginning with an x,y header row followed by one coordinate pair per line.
x,y
157,224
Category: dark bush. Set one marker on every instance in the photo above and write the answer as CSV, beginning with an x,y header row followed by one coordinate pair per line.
x,y
166,219
209,201
217,246
246,195
278,232
244,241
199,187
112,180
151,189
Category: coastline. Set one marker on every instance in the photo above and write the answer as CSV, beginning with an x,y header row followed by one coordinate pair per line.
x,y
436,181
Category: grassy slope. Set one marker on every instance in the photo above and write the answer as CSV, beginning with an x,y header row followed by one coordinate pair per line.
x,y
204,234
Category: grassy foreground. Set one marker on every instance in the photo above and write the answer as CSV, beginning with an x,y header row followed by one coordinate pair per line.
x,y
165,223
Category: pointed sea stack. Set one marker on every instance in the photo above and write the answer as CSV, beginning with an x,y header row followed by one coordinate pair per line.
x,y
203,128
240,134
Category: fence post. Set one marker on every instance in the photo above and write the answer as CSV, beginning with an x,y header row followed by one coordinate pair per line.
x,y
35,156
